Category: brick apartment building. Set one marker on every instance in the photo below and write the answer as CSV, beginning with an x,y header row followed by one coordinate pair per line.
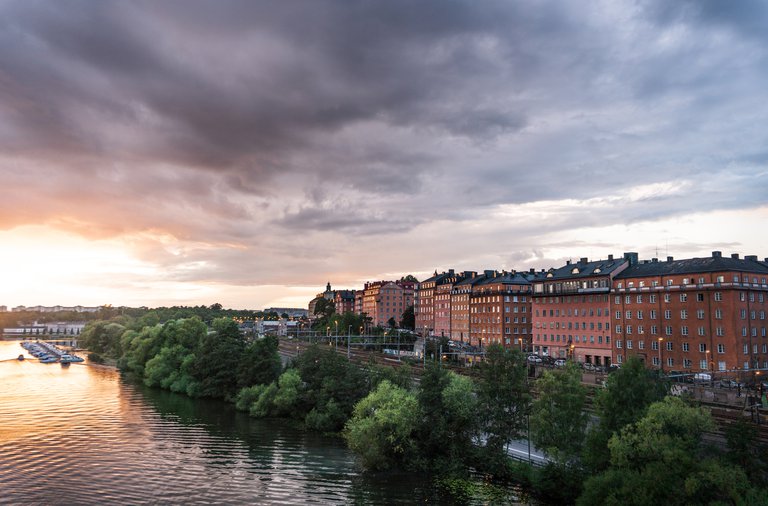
x,y
344,301
460,306
692,315
425,301
383,300
500,309
572,309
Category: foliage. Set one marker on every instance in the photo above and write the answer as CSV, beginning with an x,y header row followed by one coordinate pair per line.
x,y
102,337
218,356
558,420
659,460
408,320
503,400
627,394
380,430
259,362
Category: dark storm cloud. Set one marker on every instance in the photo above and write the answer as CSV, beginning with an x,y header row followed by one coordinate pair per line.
x,y
219,121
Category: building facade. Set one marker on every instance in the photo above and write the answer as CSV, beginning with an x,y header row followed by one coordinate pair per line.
x,y
500,309
572,310
386,300
693,315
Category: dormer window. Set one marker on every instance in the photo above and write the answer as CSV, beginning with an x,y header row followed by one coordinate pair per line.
x,y
598,271
575,270
549,275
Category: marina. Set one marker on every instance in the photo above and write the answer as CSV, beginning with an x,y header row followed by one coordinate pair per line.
x,y
47,353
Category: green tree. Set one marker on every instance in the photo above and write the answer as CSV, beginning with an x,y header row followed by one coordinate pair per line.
x,y
659,460
503,400
558,419
408,320
103,337
381,428
624,400
217,359
259,363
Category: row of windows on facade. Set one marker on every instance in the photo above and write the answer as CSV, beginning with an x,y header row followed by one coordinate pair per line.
x,y
700,314
556,338
588,299
688,281
652,298
570,286
507,330
686,347
684,330
688,363
497,309
575,312
573,325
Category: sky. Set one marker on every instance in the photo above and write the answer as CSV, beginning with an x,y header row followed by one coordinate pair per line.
x,y
166,152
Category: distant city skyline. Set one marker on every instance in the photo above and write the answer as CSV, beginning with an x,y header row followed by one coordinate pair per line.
x,y
246,153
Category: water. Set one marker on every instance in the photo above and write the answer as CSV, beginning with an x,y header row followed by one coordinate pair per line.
x,y
83,435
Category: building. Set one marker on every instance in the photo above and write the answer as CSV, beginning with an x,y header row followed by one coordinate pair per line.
x,y
572,308
443,303
3,309
500,309
344,301
460,306
56,309
425,309
693,315
328,295
292,312
385,300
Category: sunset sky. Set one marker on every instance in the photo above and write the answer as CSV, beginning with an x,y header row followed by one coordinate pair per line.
x,y
247,152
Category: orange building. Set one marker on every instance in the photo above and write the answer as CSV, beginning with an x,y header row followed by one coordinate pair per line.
x,y
460,306
693,315
572,310
385,300
500,309
425,302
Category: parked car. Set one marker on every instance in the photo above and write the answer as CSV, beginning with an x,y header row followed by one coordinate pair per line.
x,y
534,359
546,359
728,383
588,366
702,377
613,368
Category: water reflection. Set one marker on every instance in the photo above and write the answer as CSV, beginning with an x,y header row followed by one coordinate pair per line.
x,y
83,435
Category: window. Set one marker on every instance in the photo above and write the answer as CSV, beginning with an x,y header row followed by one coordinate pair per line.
x,y
618,343
670,361
618,358
703,365
640,329
654,330
628,315
629,344
618,315
667,297
655,360
670,345
641,345
687,363
684,330
627,299
667,314
718,296
628,330
653,297
668,330
718,314
639,315
721,348
702,331
719,331
746,349
683,297
653,314
686,347
639,299
702,347
670,282
700,314
654,345
618,329
699,297
683,314
617,299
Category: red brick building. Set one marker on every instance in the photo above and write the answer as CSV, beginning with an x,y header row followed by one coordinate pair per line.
x,y
500,309
460,306
572,310
692,315
383,300
425,302
344,301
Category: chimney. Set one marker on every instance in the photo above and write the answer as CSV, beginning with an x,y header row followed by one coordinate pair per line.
x,y
669,259
532,270
567,262
631,257
717,254
654,260
450,272
735,256
752,258
584,260
610,257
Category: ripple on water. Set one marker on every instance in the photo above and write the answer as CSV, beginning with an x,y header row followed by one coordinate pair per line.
x,y
81,435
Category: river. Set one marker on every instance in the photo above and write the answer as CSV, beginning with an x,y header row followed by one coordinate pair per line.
x,y
84,435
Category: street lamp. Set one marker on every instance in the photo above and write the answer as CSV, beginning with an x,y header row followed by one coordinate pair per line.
x,y
661,364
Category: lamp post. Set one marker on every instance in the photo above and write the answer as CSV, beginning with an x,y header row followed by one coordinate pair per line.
x,y
661,364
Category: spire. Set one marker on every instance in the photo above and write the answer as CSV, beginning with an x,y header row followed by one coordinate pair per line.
x,y
328,287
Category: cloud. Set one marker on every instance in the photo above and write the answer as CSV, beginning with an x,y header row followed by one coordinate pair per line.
x,y
249,142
